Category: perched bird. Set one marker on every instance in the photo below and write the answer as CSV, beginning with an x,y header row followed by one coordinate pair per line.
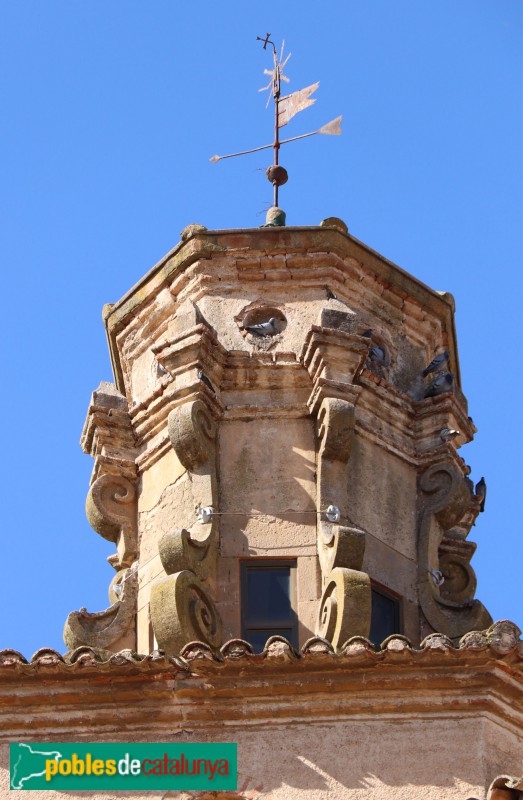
x,y
269,328
436,363
160,369
481,493
438,577
448,434
376,355
330,294
204,379
441,384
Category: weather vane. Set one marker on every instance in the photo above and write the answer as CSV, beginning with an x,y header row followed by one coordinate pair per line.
x,y
285,108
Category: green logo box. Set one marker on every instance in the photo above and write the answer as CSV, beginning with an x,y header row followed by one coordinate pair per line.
x,y
84,766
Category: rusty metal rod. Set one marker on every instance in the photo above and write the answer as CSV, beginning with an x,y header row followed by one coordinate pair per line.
x,y
214,159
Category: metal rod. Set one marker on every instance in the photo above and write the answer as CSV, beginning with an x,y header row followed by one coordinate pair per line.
x,y
266,41
276,93
214,159
301,136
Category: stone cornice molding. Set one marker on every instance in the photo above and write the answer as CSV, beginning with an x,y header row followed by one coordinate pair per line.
x,y
108,433
484,677
410,429
334,359
304,254
183,357
267,384
196,347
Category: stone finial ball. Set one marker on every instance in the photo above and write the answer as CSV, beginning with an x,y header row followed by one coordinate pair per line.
x,y
334,222
192,230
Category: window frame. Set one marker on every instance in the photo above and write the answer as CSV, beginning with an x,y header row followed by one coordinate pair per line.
x,y
389,594
268,564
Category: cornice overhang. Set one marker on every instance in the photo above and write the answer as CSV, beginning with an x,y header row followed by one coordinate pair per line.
x,y
204,244
480,678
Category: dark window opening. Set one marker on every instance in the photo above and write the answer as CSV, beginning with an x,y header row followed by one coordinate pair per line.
x,y
385,615
268,601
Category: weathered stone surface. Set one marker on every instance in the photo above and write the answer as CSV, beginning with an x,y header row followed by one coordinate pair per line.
x,y
191,230
271,431
345,606
111,508
444,497
182,611
377,708
334,222
109,629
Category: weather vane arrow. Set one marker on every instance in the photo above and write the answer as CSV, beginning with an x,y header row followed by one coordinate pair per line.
x,y
285,108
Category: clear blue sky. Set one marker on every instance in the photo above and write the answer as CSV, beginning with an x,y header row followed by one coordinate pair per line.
x,y
111,111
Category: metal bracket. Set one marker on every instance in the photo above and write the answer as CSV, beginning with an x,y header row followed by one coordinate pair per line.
x,y
333,514
204,514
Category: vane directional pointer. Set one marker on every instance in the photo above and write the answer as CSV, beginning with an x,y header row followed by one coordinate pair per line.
x,y
285,108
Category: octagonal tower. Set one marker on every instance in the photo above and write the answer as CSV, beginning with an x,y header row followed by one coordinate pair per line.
x,y
278,453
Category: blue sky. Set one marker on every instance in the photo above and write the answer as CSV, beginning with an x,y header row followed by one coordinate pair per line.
x,y
111,111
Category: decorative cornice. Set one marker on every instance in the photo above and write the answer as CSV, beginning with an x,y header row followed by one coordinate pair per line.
x,y
108,434
308,255
160,696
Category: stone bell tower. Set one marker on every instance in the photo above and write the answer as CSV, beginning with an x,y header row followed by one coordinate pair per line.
x,y
278,453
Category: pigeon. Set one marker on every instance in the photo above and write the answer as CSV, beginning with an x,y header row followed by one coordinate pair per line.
x,y
330,294
160,369
436,363
440,385
204,379
438,577
376,355
448,434
481,493
269,328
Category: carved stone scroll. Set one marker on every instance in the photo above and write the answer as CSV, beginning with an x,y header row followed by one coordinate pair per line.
x,y
111,503
193,431
339,545
449,607
112,512
181,609
345,548
110,629
182,612
334,357
345,606
335,428
180,550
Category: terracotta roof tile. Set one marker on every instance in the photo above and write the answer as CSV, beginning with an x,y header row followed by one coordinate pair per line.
x,y
499,641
